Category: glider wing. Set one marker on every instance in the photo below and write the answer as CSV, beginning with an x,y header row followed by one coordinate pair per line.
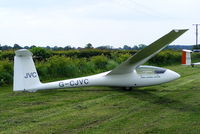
x,y
148,52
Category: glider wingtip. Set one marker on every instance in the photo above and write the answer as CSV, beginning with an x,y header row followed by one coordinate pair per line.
x,y
180,30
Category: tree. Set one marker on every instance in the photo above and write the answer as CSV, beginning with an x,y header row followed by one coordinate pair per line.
x,y
16,46
41,53
56,48
67,47
32,46
135,47
196,47
48,47
141,46
26,47
126,47
89,45
6,47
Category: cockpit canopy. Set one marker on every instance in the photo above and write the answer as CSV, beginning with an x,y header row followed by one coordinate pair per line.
x,y
150,70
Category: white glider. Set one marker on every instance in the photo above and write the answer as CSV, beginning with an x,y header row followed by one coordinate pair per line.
x,y
186,58
128,74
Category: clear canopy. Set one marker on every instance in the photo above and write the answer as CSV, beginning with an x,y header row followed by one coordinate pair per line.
x,y
150,70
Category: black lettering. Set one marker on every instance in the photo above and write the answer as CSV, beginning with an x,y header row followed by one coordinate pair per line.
x,y
77,83
26,76
86,81
66,83
81,82
34,74
61,84
71,83
30,75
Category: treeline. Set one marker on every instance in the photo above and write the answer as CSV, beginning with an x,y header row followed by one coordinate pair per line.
x,y
90,46
41,54
68,47
53,65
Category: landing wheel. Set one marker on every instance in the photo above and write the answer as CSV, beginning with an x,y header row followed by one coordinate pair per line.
x,y
127,88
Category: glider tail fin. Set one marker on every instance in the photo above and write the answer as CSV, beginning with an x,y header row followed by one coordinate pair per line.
x,y
186,57
25,74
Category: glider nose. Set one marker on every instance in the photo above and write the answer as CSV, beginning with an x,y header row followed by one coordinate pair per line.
x,y
176,75
173,75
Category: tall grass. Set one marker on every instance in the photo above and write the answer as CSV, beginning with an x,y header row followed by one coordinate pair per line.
x,y
6,72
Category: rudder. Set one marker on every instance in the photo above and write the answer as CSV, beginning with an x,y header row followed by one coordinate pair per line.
x,y
25,73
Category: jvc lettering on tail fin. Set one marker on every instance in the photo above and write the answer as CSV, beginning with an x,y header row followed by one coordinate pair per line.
x,y
30,75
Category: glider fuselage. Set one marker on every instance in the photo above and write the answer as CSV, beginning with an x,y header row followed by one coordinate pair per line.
x,y
142,76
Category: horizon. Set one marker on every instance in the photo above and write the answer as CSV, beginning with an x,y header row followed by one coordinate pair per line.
x,y
125,47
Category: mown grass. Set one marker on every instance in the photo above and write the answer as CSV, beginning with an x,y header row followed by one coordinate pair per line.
x,y
168,108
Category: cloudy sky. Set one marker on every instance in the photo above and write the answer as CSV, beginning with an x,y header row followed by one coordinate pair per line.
x,y
100,22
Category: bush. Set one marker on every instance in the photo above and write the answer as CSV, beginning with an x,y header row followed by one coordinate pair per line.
x,y
195,57
60,66
41,53
85,66
42,69
166,57
100,62
111,64
120,57
6,72
7,55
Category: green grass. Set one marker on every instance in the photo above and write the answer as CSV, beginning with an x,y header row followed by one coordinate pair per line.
x,y
171,108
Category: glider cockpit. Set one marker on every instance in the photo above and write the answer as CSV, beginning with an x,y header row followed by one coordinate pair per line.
x,y
150,70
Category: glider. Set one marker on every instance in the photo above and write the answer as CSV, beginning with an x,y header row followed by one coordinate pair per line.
x,y
128,74
186,58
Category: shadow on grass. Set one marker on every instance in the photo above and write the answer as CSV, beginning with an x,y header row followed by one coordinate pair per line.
x,y
166,101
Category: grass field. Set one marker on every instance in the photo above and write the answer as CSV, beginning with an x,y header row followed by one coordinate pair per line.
x,y
171,108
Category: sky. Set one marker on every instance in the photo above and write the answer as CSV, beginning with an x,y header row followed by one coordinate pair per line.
x,y
99,22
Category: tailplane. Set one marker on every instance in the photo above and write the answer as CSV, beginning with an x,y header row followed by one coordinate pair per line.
x,y
25,74
186,57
